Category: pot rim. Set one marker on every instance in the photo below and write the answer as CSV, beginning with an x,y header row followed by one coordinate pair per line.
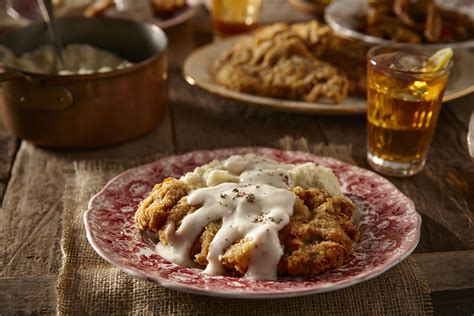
x,y
97,75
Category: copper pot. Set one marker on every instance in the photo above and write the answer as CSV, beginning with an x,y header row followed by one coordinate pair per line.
x,y
87,110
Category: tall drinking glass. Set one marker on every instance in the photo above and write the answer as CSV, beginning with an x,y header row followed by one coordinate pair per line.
x,y
404,98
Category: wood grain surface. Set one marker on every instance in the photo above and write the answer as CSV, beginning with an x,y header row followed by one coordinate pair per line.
x,y
8,148
443,192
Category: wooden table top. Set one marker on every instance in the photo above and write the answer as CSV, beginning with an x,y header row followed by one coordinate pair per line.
x,y
443,192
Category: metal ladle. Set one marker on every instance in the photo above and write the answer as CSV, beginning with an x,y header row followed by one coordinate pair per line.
x,y
47,11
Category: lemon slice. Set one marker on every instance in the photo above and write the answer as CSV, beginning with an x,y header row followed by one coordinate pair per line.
x,y
438,60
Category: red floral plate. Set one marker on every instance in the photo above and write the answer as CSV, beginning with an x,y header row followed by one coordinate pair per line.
x,y
389,226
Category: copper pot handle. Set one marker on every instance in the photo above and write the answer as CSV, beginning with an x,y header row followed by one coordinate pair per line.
x,y
8,74
31,94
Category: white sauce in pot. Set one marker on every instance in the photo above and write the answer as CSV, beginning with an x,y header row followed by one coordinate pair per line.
x,y
79,59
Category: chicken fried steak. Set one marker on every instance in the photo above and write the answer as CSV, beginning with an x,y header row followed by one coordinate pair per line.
x,y
319,235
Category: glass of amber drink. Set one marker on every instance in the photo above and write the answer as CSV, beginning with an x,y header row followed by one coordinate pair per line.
x,y
404,97
231,17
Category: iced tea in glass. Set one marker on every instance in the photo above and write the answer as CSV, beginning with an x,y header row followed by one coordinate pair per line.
x,y
231,17
404,98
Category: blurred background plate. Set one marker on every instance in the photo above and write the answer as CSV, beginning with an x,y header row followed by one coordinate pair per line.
x,y
29,10
179,17
314,7
347,17
197,71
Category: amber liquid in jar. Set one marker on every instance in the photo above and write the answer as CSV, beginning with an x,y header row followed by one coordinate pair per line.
x,y
231,17
402,111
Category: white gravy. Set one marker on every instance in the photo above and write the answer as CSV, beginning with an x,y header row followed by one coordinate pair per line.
x,y
252,211
248,193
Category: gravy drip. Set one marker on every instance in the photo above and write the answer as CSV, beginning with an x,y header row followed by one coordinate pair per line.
x,y
254,212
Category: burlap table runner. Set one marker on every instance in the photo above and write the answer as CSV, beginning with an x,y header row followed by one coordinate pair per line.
x,y
89,285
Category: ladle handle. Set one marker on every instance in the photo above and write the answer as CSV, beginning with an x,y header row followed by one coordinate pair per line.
x,y
47,10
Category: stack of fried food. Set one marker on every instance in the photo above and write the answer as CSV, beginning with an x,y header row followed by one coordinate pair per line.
x,y
282,61
319,236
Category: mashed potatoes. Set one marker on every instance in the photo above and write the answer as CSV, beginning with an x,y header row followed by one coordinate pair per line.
x,y
79,59
254,169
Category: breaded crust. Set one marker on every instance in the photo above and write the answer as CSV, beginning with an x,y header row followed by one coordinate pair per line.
x,y
282,61
319,236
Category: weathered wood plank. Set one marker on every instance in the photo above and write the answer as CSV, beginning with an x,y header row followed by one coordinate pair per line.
x,y
28,295
461,108
348,130
8,149
455,302
451,270
204,121
158,140
443,191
